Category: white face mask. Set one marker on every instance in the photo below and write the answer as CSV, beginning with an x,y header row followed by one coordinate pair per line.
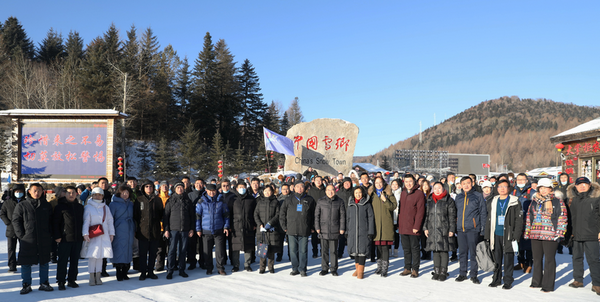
x,y
563,183
242,191
451,182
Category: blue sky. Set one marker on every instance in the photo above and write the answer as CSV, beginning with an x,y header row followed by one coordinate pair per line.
x,y
383,65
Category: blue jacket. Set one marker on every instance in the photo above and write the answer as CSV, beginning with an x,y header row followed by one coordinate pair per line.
x,y
471,212
122,245
212,214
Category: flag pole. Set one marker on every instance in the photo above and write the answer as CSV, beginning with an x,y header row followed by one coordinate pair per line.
x,y
268,165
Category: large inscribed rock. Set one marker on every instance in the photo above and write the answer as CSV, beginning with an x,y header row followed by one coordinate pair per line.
x,y
326,145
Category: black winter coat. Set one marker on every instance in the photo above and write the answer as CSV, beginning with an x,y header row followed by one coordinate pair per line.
x,y
195,196
242,222
585,213
317,193
6,213
68,221
297,215
513,223
440,220
32,222
360,223
180,214
345,195
267,211
147,214
330,217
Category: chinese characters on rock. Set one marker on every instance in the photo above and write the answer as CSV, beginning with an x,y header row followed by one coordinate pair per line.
x,y
84,156
313,143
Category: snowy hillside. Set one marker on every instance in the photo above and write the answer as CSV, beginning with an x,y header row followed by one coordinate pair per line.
x,y
246,286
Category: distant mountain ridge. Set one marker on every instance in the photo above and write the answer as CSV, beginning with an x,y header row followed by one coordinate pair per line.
x,y
513,131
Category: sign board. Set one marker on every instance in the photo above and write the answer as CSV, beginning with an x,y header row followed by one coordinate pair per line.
x,y
63,150
326,145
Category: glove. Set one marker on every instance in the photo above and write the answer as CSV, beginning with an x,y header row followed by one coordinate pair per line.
x,y
268,226
371,237
263,229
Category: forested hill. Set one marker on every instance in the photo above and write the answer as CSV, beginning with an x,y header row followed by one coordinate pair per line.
x,y
514,131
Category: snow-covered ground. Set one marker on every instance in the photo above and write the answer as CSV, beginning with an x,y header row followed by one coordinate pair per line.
x,y
246,286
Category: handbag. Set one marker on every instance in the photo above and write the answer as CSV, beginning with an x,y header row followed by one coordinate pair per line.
x,y
262,247
97,230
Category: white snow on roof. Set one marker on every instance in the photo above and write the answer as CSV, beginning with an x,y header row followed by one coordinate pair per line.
x,y
589,126
553,171
370,167
60,112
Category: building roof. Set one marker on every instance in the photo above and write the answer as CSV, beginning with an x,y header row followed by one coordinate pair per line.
x,y
63,113
371,168
585,130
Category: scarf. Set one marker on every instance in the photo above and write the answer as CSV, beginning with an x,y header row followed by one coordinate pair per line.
x,y
378,191
356,200
436,197
544,202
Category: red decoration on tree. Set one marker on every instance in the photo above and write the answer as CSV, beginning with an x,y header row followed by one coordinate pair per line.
x,y
120,158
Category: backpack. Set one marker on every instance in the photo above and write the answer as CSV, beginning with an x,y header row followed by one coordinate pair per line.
x,y
484,257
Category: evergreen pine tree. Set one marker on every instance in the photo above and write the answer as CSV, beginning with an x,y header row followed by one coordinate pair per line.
x,y
285,123
239,160
164,164
74,46
181,89
51,48
217,152
15,41
145,156
253,107
191,151
226,104
203,91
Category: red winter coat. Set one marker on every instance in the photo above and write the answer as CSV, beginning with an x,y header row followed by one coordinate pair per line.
x,y
412,211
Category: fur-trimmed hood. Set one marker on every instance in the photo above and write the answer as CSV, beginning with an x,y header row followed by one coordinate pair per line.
x,y
572,191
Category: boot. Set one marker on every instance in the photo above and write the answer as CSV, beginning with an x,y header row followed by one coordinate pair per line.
x,y
443,274
436,273
414,273
355,270
262,265
98,279
384,268
378,270
126,271
360,271
151,275
136,264
271,266
119,270
92,279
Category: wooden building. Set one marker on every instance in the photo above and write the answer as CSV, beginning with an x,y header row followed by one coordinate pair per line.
x,y
580,150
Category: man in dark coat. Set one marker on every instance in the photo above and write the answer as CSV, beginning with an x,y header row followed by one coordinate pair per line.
x,y
195,246
147,214
309,173
345,192
243,228
316,192
178,222
285,192
296,217
32,222
524,193
6,213
411,215
330,224
67,227
229,198
503,227
471,212
584,200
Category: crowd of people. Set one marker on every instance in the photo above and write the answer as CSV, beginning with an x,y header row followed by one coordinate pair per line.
x,y
160,226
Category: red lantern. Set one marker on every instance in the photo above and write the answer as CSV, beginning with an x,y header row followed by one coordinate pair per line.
x,y
220,175
559,146
220,161
121,173
120,163
120,158
120,168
